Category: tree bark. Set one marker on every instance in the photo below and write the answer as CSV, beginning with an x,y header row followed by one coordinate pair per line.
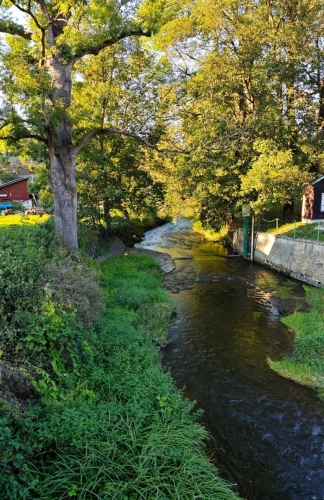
x,y
62,156
63,185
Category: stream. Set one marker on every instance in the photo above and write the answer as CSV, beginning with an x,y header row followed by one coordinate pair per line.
x,y
266,431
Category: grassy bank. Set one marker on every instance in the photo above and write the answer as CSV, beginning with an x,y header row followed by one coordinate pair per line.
x,y
209,233
306,363
86,410
299,230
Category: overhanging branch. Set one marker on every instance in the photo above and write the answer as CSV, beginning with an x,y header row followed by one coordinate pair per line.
x,y
11,138
107,43
27,11
127,133
11,28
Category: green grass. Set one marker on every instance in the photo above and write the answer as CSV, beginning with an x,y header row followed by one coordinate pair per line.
x,y
300,373
299,230
306,363
105,421
209,233
14,220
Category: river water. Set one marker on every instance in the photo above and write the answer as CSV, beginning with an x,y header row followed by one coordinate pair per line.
x,y
266,431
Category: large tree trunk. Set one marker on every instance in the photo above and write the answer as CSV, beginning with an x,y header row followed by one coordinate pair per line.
x,y
63,185
63,157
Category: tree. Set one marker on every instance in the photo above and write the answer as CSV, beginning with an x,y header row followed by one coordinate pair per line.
x,y
256,79
44,68
112,177
273,178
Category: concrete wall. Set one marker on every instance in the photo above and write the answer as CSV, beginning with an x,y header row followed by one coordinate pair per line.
x,y
296,257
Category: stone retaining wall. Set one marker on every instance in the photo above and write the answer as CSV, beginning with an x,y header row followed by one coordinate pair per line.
x,y
299,258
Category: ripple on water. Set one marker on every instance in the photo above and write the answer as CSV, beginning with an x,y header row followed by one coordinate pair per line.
x,y
267,431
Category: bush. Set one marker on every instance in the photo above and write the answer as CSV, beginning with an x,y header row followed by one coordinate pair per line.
x,y
36,271
17,481
24,251
76,285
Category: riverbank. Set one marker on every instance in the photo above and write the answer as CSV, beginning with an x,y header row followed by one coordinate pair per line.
x,y
299,258
210,234
86,409
267,431
306,363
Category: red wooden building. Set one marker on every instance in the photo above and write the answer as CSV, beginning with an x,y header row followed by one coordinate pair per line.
x,y
16,190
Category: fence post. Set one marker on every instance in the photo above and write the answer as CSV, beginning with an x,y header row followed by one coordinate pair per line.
x,y
246,212
246,237
252,240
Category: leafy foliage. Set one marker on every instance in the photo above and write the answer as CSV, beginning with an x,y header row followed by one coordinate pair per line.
x,y
103,419
248,100
42,292
273,177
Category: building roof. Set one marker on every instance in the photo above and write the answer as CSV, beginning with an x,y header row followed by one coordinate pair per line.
x,y
314,182
14,182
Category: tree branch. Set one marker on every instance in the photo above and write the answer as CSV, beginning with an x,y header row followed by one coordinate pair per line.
x,y
11,28
27,11
11,138
43,7
109,131
107,43
5,123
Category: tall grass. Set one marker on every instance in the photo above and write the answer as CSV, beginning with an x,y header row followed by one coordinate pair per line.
x,y
111,424
306,363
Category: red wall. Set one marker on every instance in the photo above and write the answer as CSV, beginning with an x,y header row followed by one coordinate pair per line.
x,y
17,191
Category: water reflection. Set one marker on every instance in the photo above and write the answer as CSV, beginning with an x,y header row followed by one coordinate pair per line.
x,y
267,432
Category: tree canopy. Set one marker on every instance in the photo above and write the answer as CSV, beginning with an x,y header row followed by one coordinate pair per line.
x,y
250,101
236,87
51,94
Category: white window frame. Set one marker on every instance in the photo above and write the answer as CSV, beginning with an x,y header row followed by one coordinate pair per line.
x,y
322,203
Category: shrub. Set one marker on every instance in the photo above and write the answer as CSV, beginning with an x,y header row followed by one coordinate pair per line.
x,y
24,251
76,285
17,481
